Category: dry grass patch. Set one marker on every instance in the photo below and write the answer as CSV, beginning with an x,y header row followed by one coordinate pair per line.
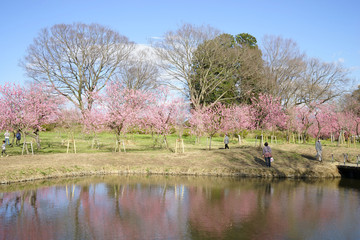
x,y
290,161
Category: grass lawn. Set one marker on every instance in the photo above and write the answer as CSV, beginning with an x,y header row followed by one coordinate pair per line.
x,y
145,155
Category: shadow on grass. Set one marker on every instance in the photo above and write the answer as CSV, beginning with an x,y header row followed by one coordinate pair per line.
x,y
286,162
309,157
260,161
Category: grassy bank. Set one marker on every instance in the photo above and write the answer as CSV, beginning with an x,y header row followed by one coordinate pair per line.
x,y
146,154
291,160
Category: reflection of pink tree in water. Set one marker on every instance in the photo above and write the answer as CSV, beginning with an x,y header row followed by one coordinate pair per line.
x,y
126,212
216,216
147,212
151,210
26,219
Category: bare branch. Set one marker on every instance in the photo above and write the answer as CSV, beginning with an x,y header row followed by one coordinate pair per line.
x,y
76,59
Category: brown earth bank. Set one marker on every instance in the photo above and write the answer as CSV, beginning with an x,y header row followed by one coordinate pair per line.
x,y
242,161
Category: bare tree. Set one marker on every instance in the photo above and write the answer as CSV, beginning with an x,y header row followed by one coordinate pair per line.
x,y
141,71
321,82
77,60
297,79
284,65
176,50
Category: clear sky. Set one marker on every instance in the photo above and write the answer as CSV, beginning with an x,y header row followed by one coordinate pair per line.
x,y
328,30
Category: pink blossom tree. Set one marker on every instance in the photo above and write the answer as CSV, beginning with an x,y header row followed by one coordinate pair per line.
x,y
212,119
346,123
353,106
27,108
325,120
241,117
304,119
93,121
182,115
268,112
69,120
196,124
291,123
163,115
124,108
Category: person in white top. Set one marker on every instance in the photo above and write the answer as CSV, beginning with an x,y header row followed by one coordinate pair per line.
x,y
7,137
318,148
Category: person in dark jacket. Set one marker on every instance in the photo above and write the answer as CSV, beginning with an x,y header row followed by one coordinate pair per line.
x,y
18,137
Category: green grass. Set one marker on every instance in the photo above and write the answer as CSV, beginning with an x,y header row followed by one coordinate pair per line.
x,y
56,142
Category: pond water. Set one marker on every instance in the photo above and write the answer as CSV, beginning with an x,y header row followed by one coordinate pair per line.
x,y
156,207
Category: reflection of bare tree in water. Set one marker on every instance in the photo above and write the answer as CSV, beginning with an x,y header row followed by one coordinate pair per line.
x,y
33,203
88,206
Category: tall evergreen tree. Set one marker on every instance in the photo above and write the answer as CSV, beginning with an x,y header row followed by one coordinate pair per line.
x,y
235,61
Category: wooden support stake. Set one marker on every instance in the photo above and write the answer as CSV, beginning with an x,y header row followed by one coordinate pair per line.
x,y
118,145
25,146
68,145
124,145
74,146
179,144
345,158
95,142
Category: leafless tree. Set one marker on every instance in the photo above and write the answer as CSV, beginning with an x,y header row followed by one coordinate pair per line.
x,y
176,51
141,71
297,79
77,60
322,82
284,65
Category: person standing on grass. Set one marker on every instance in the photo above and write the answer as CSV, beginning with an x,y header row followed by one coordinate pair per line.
x,y
267,154
3,149
7,137
18,138
318,148
226,141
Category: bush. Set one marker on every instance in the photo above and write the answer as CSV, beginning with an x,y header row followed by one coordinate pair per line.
x,y
49,127
243,133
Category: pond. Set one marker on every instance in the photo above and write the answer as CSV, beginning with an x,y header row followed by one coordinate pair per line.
x,y
158,207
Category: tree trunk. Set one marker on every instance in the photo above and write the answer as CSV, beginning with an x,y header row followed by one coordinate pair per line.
x,y
37,139
166,143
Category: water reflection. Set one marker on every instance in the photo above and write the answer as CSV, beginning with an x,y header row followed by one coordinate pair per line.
x,y
123,207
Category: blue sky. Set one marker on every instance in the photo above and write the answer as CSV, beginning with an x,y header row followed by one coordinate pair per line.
x,y
328,30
